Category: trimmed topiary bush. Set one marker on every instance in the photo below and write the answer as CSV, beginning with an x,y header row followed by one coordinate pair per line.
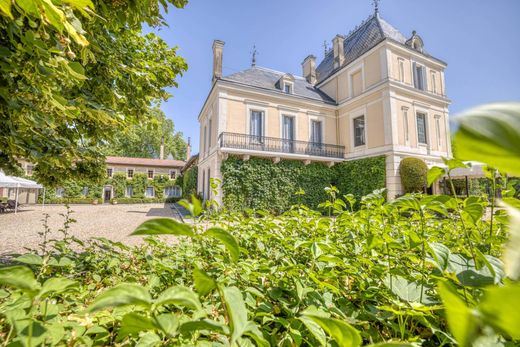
x,y
414,175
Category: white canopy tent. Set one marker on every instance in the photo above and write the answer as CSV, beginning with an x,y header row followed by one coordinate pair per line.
x,y
18,182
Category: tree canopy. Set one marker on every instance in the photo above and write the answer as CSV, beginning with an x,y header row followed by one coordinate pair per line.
x,y
143,140
73,73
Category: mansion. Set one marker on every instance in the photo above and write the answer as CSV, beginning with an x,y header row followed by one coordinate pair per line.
x,y
376,92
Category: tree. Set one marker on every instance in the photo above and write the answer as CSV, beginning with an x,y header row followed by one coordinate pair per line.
x,y
73,73
143,140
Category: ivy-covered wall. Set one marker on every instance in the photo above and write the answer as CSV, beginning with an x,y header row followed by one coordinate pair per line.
x,y
188,182
261,184
74,190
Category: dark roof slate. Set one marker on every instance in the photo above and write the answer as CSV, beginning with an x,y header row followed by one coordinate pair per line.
x,y
268,79
361,40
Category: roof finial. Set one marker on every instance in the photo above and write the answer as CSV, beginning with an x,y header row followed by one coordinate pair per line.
x,y
376,6
325,47
254,52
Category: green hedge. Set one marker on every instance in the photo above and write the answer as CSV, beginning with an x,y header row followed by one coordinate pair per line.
x,y
261,184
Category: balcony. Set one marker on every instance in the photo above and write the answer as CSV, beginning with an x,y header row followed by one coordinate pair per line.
x,y
252,143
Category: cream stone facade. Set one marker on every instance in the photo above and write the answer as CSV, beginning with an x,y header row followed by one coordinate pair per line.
x,y
375,92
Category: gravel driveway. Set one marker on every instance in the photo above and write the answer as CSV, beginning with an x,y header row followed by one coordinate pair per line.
x,y
114,222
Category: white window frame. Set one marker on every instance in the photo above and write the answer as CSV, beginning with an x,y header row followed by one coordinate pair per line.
x,y
146,192
289,84
317,119
27,171
111,172
424,78
353,115
210,125
175,174
62,192
148,174
417,113
255,107
126,191
133,172
205,135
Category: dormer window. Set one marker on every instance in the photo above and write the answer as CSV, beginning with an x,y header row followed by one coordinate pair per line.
x,y
415,42
286,83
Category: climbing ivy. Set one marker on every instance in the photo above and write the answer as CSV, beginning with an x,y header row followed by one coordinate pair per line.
x,y
261,184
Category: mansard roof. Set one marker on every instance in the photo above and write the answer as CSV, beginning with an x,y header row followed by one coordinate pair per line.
x,y
369,34
267,79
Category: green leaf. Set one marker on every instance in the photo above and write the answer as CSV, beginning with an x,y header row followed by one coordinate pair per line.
x,y
29,7
454,164
343,333
168,323
237,311
315,330
461,321
30,259
57,285
473,212
180,296
19,277
406,290
122,295
164,226
501,309
203,283
440,255
392,344
133,323
512,249
491,134
5,8
54,15
149,340
227,240
434,174
204,324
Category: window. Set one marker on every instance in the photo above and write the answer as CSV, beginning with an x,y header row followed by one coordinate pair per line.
x,y
29,170
419,76
150,174
421,128
316,132
288,133
129,191
405,121
85,191
173,174
401,69
257,124
434,83
172,192
109,172
60,192
149,193
438,130
130,173
288,88
209,183
204,184
359,131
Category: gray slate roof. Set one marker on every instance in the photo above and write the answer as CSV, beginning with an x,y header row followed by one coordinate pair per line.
x,y
361,40
264,78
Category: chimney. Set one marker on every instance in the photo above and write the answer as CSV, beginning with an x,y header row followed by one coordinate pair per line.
x,y
188,149
161,151
309,69
339,51
217,59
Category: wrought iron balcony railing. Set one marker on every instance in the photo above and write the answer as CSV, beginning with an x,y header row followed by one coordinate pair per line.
x,y
278,145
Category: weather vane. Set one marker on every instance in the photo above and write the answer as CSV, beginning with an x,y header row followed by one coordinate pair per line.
x,y
376,5
325,47
254,52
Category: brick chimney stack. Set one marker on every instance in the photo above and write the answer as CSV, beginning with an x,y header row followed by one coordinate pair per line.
x,y
339,52
161,151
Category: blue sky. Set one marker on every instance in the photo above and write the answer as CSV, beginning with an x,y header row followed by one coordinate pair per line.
x,y
478,39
